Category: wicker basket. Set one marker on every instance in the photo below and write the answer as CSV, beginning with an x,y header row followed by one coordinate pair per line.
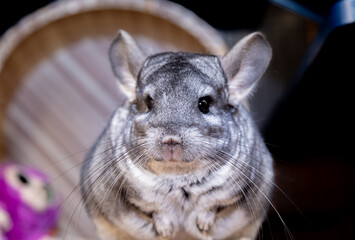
x,y
56,86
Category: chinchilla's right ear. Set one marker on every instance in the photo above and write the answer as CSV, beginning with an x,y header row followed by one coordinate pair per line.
x,y
126,60
244,65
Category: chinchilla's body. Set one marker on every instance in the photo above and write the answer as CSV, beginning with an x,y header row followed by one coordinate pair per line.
x,y
182,155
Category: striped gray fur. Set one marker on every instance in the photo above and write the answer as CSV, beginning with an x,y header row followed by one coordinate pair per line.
x,y
163,165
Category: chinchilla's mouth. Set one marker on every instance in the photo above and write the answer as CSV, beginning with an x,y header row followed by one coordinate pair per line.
x,y
173,160
161,166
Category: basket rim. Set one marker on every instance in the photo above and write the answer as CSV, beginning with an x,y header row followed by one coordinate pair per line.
x,y
169,11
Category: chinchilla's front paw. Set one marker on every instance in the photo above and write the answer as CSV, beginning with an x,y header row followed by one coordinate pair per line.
x,y
205,221
164,227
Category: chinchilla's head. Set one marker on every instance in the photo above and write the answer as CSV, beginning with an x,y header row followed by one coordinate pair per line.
x,y
183,104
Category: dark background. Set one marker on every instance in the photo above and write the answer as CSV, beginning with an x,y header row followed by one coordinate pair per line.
x,y
12,11
310,129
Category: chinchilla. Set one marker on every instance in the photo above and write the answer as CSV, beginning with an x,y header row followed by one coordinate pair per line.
x,y
181,156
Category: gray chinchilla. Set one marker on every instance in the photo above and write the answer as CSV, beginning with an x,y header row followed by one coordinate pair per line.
x,y
182,157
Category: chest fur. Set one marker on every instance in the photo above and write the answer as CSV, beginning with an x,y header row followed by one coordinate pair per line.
x,y
178,202
178,195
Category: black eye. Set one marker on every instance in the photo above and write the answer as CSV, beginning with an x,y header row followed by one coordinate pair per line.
x,y
149,102
23,179
204,104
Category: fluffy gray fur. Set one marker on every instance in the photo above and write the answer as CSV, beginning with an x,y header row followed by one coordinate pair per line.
x,y
163,167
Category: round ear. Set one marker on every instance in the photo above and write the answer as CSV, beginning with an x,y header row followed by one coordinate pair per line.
x,y
126,61
244,65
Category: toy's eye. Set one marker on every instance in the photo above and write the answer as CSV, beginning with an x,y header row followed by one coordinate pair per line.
x,y
24,180
204,104
149,102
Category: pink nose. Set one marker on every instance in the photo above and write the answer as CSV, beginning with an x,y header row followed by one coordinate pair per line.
x,y
171,141
172,150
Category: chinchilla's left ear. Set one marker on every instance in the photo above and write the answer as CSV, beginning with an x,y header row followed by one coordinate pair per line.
x,y
126,60
244,65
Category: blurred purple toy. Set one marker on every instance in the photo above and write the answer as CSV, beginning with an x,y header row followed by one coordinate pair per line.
x,y
28,207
